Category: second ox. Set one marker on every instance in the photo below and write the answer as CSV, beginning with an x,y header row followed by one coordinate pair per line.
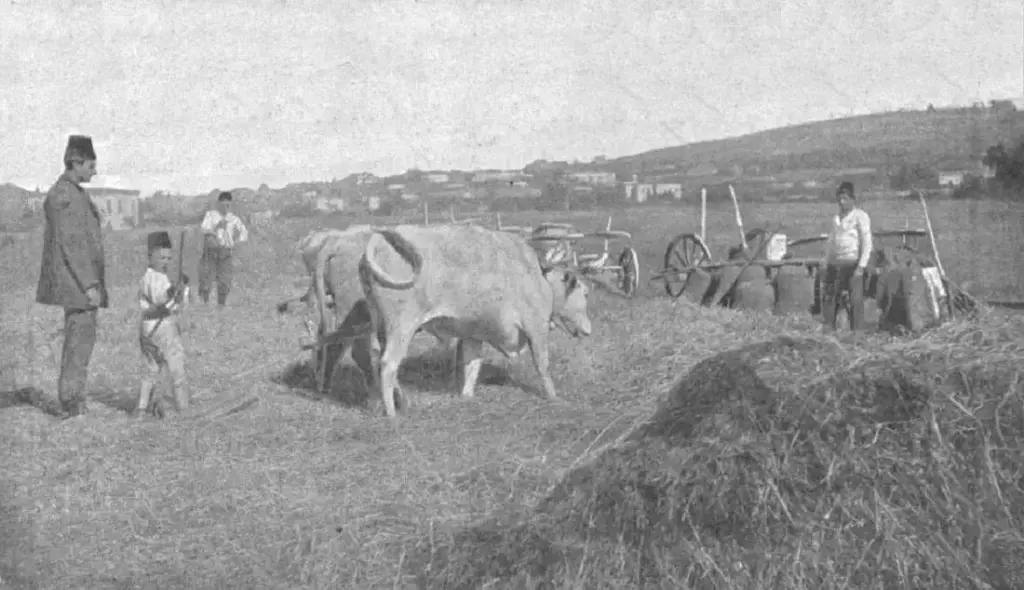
x,y
468,283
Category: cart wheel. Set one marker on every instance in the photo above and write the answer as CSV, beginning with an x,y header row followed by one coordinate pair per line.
x,y
684,251
629,271
320,352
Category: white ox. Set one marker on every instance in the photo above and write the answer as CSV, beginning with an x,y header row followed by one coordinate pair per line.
x,y
331,258
470,283
309,247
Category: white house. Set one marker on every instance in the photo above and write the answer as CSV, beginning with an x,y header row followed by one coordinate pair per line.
x,y
436,177
952,178
325,204
629,190
594,177
644,191
487,175
117,204
672,188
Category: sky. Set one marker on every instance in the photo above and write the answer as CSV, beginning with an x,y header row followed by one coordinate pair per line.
x,y
190,96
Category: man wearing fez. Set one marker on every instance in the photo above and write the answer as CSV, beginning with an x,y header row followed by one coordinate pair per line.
x,y
846,257
222,229
73,274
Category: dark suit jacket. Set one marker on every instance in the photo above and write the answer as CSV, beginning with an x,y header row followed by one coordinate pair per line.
x,y
72,248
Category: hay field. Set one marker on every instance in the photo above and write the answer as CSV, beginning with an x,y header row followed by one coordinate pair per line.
x,y
301,492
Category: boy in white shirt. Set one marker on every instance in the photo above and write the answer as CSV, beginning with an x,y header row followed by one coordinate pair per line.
x,y
222,229
159,333
847,253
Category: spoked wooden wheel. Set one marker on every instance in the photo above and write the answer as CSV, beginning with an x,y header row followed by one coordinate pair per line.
x,y
684,251
629,271
324,330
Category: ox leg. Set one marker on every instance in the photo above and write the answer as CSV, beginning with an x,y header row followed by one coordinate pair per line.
x,y
468,360
371,359
366,354
394,351
539,350
333,352
362,354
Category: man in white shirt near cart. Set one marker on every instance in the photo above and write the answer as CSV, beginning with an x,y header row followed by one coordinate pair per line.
x,y
847,253
222,229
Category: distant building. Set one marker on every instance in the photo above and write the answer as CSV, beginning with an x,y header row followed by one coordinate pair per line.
x,y
436,177
643,191
489,175
34,204
670,188
1003,105
952,178
118,207
595,177
325,204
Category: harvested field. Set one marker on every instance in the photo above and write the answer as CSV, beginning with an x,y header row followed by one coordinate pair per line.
x,y
296,491
792,463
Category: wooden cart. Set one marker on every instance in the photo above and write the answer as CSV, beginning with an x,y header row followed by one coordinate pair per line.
x,y
688,252
555,244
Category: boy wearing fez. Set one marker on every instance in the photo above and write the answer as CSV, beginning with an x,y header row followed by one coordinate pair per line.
x,y
159,333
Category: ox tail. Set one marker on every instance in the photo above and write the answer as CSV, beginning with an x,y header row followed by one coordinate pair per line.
x,y
404,248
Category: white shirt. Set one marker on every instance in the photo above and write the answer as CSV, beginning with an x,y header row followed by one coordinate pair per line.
x,y
849,238
153,292
227,236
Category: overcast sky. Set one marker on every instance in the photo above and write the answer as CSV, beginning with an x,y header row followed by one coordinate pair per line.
x,y
192,96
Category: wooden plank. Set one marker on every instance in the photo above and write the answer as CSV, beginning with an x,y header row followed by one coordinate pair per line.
x,y
1015,305
887,233
718,265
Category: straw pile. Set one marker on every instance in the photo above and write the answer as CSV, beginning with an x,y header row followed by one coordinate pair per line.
x,y
794,463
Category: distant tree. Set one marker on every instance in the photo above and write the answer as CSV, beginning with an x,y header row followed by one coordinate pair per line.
x,y
1008,165
972,187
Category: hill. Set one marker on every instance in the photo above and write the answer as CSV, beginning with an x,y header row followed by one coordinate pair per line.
x,y
946,139
792,161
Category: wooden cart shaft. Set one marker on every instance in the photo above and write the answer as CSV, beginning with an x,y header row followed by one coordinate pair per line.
x,y
741,262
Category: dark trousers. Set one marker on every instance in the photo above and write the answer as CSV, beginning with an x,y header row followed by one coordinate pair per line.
x,y
79,341
839,277
216,265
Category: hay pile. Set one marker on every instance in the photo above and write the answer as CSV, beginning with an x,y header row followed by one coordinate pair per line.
x,y
792,464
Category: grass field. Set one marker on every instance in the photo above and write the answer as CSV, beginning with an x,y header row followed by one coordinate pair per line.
x,y
302,492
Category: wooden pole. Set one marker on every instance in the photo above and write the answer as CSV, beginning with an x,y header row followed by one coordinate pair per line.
x,y
426,214
931,234
703,213
739,218
946,284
